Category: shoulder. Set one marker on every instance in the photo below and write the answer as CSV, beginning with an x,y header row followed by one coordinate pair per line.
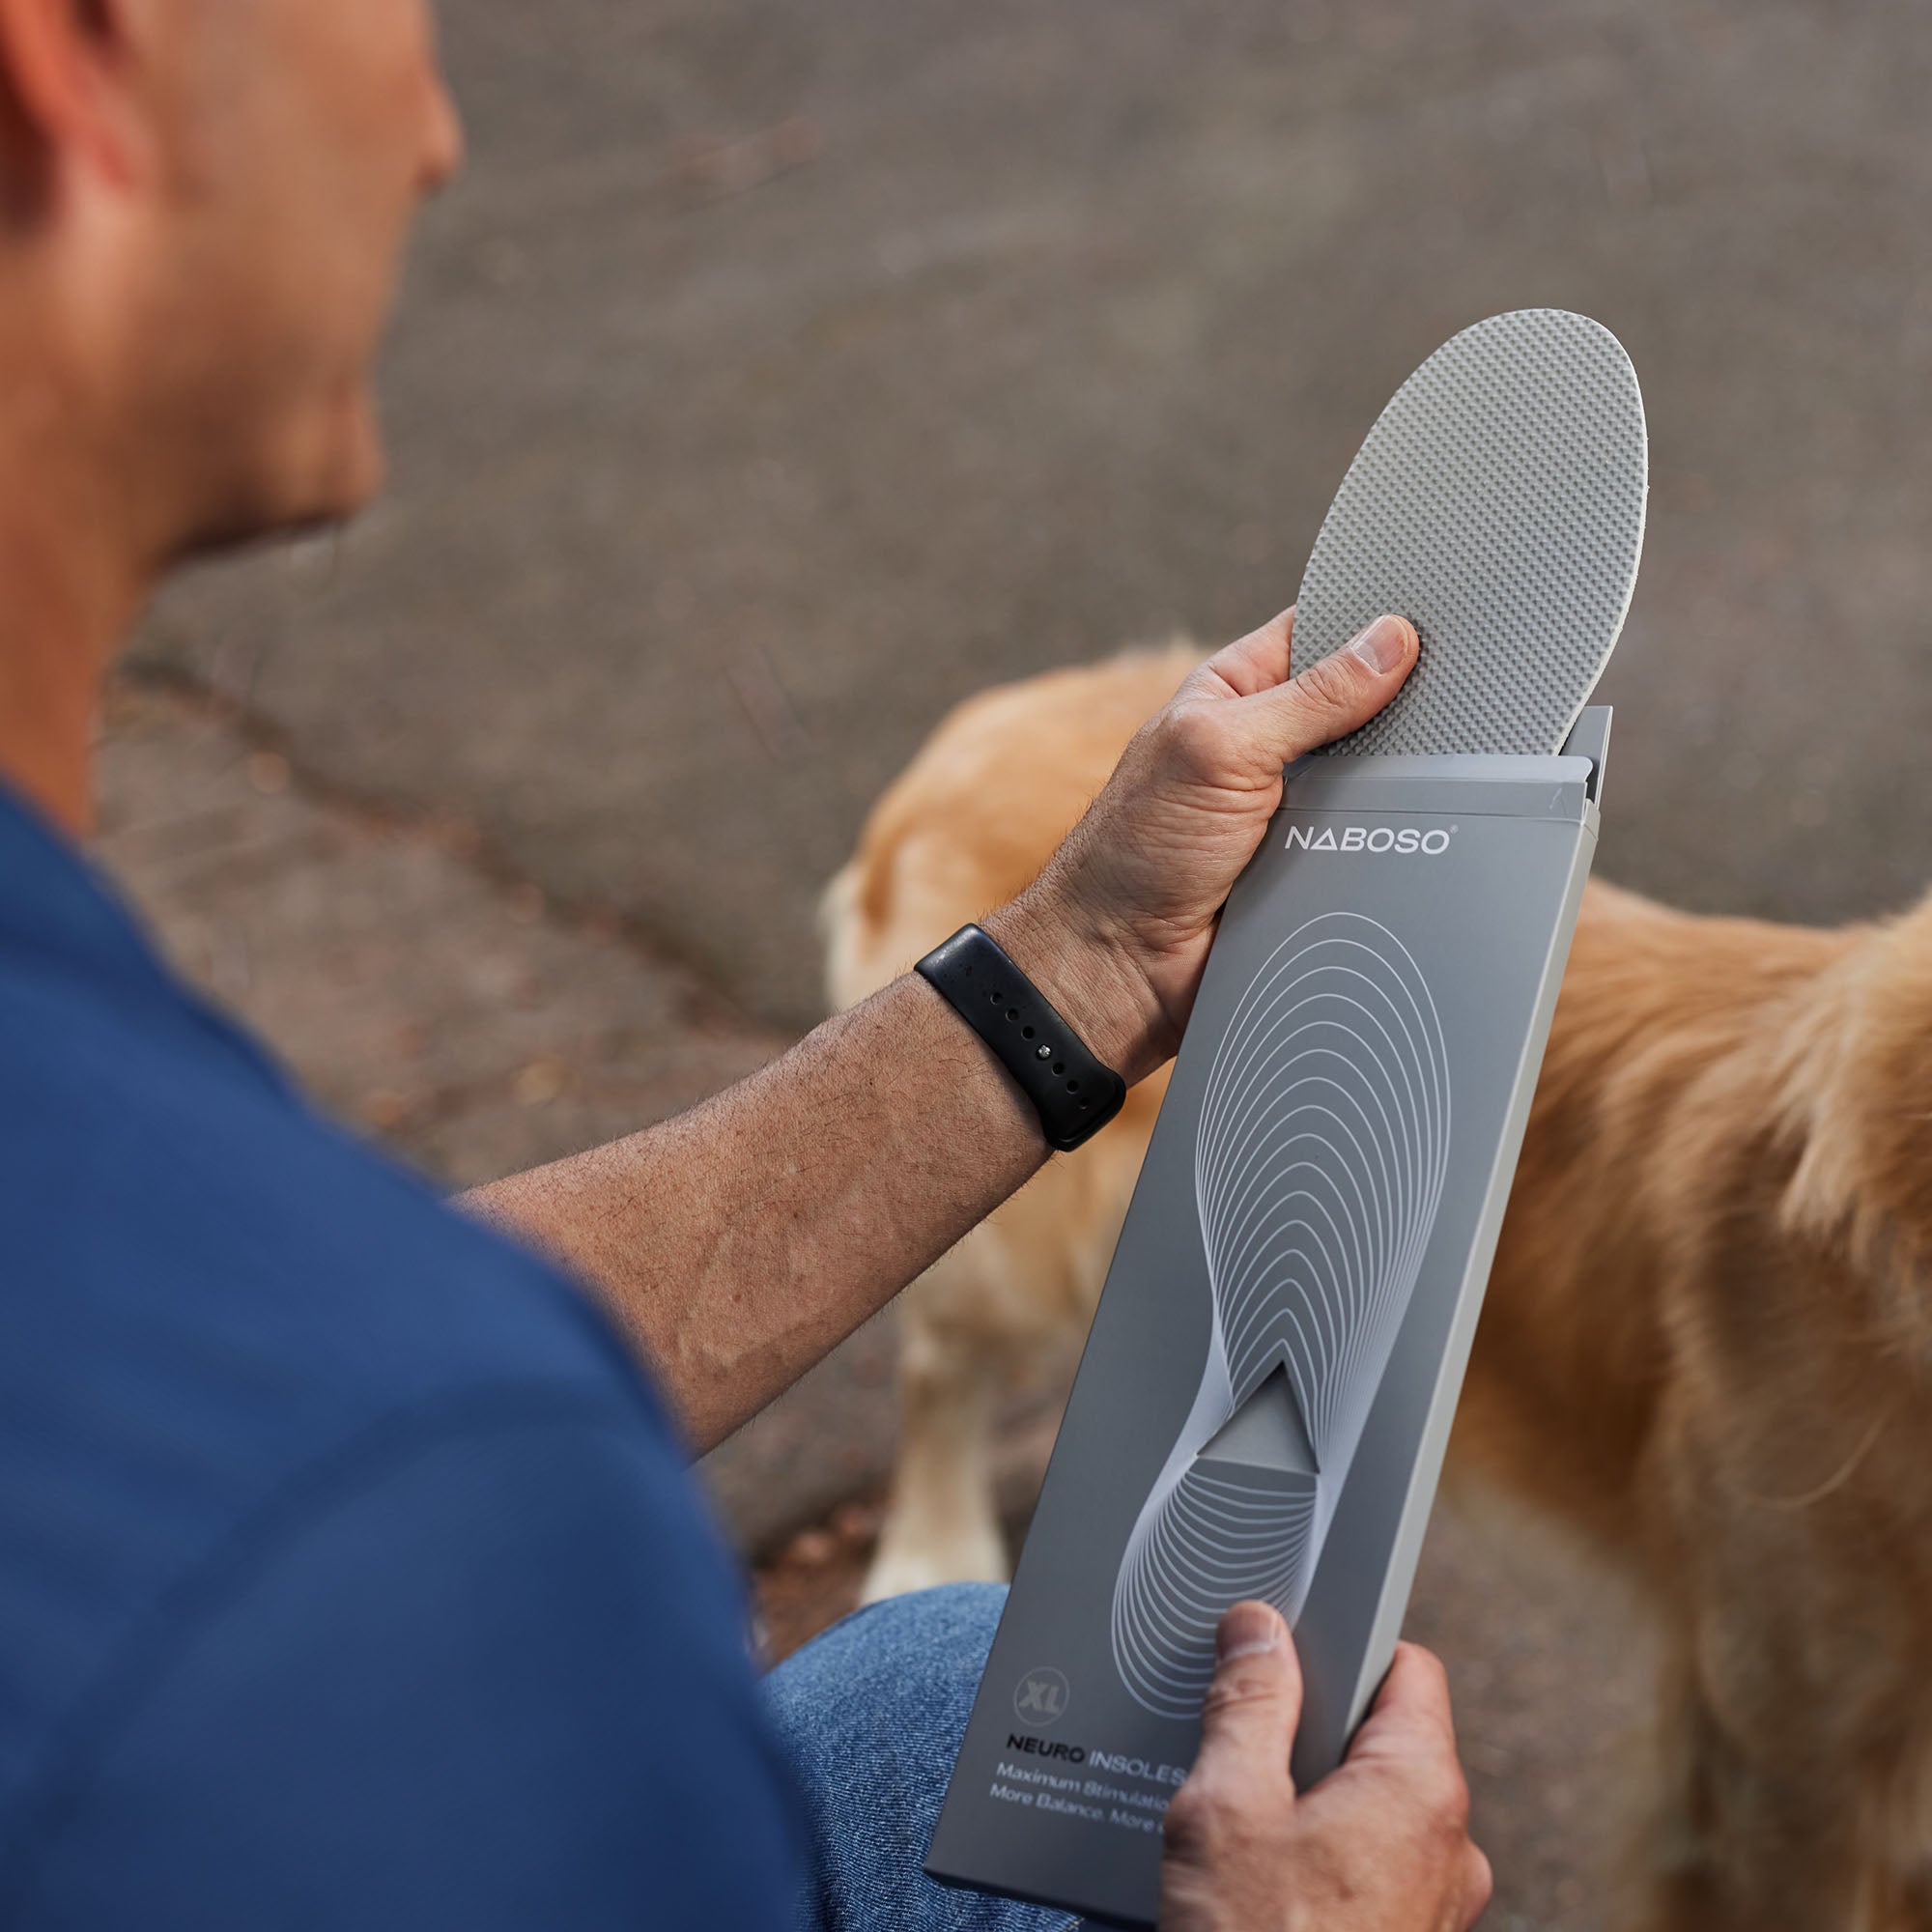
x,y
487,1674
163,1181
218,1307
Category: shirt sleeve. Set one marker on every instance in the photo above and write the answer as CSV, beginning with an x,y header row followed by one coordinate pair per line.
x,y
497,1680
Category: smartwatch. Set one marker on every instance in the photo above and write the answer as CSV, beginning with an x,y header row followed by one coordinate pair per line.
x,y
1076,1093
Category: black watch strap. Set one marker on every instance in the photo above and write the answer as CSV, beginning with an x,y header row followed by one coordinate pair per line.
x,y
1076,1093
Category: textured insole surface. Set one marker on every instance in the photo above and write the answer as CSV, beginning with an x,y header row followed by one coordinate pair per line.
x,y
1498,504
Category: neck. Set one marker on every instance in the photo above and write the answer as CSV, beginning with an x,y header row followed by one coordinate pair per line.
x,y
59,639
71,583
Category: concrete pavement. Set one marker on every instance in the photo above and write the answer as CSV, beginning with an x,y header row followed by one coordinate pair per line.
x,y
778,377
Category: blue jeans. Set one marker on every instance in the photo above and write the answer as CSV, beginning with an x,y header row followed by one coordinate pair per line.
x,y
870,1716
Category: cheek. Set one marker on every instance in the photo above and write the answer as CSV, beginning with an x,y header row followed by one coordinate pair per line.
x,y
292,224
359,75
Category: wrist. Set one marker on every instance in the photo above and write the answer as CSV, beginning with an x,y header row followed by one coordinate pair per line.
x,y
1089,976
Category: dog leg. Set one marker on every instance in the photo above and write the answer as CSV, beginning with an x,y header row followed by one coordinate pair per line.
x,y
941,1525
1744,1845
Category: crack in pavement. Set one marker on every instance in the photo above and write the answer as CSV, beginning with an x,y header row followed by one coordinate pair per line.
x,y
457,837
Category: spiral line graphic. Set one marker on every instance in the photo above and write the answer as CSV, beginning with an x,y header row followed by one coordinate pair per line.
x,y
1318,1166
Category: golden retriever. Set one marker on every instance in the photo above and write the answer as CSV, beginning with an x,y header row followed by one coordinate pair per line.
x,y
1707,1342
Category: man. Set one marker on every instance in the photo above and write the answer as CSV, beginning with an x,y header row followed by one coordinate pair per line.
x,y
349,1575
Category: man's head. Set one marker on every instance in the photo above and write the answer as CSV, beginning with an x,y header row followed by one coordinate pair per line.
x,y
202,210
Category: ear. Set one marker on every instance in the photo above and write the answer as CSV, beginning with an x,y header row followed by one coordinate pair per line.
x,y
66,97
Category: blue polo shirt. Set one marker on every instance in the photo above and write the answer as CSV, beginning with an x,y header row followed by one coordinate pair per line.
x,y
350,1576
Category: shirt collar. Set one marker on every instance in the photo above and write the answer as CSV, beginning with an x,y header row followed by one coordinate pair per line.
x,y
57,909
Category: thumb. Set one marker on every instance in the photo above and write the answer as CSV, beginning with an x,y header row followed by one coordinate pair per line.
x,y
1254,1702
1338,693
1411,1722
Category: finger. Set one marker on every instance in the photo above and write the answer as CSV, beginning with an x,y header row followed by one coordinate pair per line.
x,y
1340,692
1254,1702
1258,661
1411,1716
1479,1886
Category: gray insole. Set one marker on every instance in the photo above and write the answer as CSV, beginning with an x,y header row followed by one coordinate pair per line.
x,y
1498,504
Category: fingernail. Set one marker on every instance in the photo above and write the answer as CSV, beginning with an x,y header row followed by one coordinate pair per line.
x,y
1246,1631
1384,645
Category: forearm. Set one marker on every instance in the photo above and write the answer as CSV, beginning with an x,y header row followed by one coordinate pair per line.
x,y
742,1241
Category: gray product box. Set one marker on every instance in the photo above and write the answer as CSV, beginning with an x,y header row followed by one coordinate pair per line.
x,y
1266,1393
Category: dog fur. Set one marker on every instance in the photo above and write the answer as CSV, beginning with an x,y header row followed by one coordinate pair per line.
x,y
965,828
1707,1343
